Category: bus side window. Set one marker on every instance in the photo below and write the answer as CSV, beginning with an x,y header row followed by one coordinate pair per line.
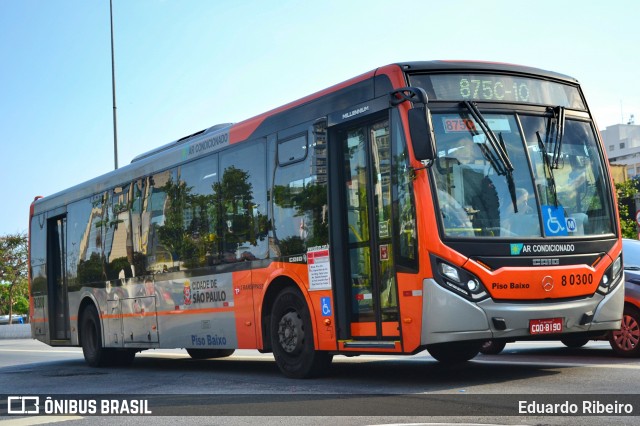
x,y
242,197
198,230
84,240
300,194
139,227
163,217
117,223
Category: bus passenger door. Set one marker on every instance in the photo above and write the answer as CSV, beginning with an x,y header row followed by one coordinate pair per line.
x,y
57,279
367,278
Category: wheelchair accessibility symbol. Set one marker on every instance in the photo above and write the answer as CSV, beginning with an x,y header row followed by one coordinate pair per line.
x,y
325,302
554,221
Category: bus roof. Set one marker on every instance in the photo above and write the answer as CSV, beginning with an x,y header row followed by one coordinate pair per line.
x,y
453,65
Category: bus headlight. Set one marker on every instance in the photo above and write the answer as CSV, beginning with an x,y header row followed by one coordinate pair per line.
x,y
449,272
611,277
458,280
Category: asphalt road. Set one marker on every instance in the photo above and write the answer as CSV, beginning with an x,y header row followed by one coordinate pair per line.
x,y
247,388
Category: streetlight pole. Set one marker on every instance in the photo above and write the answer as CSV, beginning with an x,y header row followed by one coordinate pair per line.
x,y
113,86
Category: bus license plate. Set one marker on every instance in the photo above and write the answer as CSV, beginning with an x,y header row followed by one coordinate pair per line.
x,y
545,326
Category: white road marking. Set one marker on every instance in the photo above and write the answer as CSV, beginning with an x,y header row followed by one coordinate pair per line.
x,y
562,364
443,424
48,350
40,420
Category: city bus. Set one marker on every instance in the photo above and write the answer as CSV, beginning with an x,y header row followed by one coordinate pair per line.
x,y
426,205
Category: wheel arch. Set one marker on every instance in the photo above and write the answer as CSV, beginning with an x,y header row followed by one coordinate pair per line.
x,y
84,304
274,287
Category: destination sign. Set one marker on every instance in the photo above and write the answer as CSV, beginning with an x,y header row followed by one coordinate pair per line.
x,y
498,88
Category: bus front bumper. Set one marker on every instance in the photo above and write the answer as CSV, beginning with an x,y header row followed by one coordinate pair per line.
x,y
448,317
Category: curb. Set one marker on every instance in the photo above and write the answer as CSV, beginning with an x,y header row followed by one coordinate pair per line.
x,y
15,331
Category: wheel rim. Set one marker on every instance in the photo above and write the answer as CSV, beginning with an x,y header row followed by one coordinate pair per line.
x,y
628,336
291,332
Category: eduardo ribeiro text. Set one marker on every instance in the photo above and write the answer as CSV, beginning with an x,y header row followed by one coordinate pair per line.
x,y
585,408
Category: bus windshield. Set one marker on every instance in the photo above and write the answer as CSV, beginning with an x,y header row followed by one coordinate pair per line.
x,y
554,187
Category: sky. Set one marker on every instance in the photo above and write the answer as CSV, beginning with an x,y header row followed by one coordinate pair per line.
x,y
186,65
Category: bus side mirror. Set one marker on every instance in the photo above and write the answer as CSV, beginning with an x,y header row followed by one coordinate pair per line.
x,y
421,130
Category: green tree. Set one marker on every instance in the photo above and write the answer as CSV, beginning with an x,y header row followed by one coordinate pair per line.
x,y
626,192
13,274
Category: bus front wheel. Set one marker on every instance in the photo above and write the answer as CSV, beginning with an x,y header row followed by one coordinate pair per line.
x,y
492,347
574,341
454,352
292,337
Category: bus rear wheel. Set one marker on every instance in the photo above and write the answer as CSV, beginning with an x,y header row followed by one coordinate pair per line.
x,y
91,334
454,352
292,337
94,353
210,353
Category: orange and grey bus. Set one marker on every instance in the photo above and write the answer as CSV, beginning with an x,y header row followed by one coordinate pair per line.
x,y
426,205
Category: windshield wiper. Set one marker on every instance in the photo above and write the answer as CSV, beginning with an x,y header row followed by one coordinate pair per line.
x,y
556,134
553,137
549,170
497,156
498,153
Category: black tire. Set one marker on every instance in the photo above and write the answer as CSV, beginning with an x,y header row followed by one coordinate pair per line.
x,y
91,337
210,353
292,338
454,352
626,341
492,347
575,341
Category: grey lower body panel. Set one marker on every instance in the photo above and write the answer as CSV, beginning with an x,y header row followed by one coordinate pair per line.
x,y
447,317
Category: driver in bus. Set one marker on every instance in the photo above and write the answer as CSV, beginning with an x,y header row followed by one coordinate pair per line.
x,y
524,221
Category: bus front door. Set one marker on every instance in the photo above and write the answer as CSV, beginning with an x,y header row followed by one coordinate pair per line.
x,y
368,278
